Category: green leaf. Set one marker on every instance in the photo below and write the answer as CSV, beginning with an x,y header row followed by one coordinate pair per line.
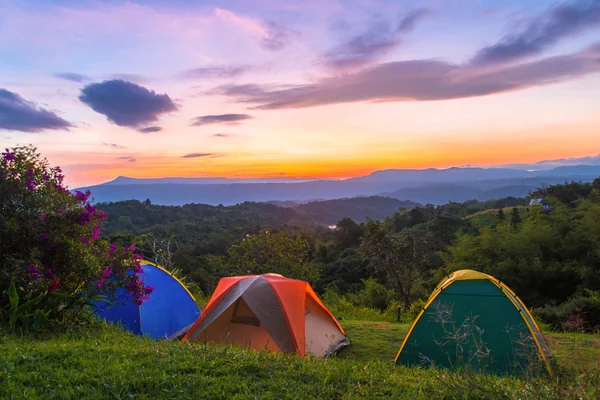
x,y
13,295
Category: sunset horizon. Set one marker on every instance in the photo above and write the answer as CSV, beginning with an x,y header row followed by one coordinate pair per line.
x,y
311,89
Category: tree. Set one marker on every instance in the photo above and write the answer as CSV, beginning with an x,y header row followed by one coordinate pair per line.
x,y
500,216
515,218
272,252
398,260
51,254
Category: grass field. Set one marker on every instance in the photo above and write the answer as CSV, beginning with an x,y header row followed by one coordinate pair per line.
x,y
104,362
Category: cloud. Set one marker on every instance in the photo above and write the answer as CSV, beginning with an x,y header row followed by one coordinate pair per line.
x,y
222,135
230,119
277,37
197,155
227,71
18,114
417,80
127,158
125,103
380,38
558,23
113,146
72,76
150,129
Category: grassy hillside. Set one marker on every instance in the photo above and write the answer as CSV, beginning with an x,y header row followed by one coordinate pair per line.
x,y
107,363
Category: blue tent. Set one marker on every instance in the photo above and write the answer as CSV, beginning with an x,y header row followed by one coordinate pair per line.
x,y
168,314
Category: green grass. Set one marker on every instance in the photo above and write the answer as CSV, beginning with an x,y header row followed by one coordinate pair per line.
x,y
373,340
104,362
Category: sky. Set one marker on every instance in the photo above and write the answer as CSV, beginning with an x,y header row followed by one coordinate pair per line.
x,y
307,88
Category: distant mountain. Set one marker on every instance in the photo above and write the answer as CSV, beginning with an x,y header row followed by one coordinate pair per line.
x,y
560,162
435,186
124,180
330,212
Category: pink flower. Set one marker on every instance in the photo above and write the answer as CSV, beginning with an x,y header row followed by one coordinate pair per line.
x,y
82,197
31,185
96,233
85,240
107,272
131,248
8,156
33,271
101,215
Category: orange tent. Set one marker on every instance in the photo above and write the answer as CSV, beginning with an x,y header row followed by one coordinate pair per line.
x,y
269,312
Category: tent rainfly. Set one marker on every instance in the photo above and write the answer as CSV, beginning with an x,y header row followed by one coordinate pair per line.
x,y
169,312
269,312
473,320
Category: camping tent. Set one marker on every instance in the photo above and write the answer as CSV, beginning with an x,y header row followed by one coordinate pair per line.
x,y
269,312
168,313
473,320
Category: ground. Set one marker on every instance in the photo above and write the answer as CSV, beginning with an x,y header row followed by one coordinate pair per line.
x,y
104,362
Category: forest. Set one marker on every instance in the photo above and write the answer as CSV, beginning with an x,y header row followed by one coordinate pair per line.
x,y
548,252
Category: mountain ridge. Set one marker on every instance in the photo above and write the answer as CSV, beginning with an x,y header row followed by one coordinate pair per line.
x,y
421,186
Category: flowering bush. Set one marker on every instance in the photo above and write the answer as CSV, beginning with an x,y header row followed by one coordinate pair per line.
x,y
50,239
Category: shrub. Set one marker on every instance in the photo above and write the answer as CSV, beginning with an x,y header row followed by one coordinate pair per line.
x,y
373,295
51,256
415,309
580,313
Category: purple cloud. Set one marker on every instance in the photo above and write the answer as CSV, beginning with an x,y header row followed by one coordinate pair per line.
x,y
380,38
548,29
18,114
150,129
198,155
113,146
127,158
417,80
125,103
72,76
278,37
230,119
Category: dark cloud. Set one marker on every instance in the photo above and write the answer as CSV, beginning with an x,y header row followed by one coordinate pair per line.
x,y
72,76
132,160
113,146
230,119
150,129
197,155
217,72
125,103
380,37
548,29
18,114
220,135
277,37
418,80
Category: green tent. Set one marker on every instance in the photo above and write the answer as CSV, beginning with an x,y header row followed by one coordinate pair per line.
x,y
474,321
